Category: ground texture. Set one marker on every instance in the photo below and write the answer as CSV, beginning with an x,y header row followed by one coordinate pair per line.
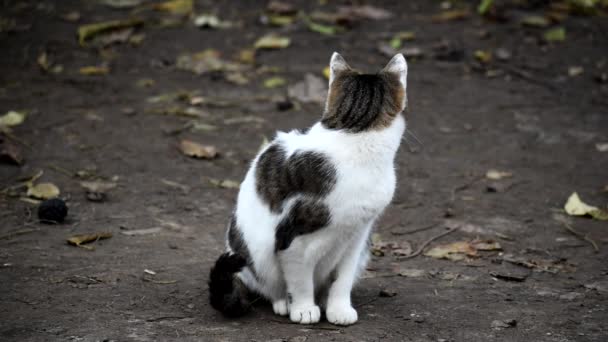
x,y
527,111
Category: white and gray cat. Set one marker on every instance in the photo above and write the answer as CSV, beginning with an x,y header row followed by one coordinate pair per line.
x,y
298,236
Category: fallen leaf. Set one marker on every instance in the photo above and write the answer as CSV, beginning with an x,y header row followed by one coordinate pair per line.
x,y
280,7
320,28
410,272
141,231
278,20
224,183
274,82
79,240
397,41
483,56
311,89
205,61
43,191
451,15
97,190
178,7
71,16
12,118
94,70
121,3
247,56
462,249
365,12
557,34
535,21
244,119
272,41
484,6
575,71
326,73
211,21
87,32
497,174
602,147
575,207
236,78
192,149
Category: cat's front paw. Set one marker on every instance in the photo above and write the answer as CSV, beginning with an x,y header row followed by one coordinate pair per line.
x,y
280,307
341,315
305,314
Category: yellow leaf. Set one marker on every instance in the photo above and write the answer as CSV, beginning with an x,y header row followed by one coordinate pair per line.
x,y
94,70
272,41
78,240
575,207
326,72
86,32
274,82
12,118
43,191
180,7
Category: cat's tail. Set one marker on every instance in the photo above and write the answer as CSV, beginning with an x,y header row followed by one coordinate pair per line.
x,y
227,293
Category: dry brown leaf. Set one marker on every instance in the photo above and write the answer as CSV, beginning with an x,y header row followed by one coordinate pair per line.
x,y
451,15
462,249
179,7
196,150
272,41
79,240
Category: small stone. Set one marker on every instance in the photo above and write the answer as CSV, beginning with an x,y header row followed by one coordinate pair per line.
x,y
387,293
503,324
52,211
503,54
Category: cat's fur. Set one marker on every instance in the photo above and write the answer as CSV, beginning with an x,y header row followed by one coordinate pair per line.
x,y
308,203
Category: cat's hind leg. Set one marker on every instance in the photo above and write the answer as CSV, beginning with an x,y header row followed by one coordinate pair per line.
x,y
339,309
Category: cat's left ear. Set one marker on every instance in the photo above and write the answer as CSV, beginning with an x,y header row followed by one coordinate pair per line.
x,y
398,66
337,64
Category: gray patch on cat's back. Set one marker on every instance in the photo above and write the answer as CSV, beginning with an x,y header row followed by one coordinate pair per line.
x,y
304,172
305,216
237,243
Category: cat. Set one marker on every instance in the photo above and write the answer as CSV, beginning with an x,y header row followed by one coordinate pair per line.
x,y
305,210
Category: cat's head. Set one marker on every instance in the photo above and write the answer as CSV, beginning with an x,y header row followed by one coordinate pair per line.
x,y
361,102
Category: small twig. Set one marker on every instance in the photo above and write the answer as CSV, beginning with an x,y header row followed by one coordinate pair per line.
x,y
366,303
581,236
427,242
527,77
306,327
463,187
163,318
61,170
18,232
416,230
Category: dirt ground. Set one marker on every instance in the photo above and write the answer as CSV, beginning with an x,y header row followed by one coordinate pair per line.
x,y
529,112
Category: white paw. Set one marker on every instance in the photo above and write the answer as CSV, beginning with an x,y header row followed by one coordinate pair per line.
x,y
280,307
305,314
341,315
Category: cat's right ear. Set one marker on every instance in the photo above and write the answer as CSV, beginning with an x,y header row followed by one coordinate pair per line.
x,y
337,64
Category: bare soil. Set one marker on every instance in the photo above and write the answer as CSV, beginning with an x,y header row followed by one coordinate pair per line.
x,y
525,115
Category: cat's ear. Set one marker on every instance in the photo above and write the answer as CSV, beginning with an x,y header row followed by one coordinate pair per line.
x,y
398,67
337,64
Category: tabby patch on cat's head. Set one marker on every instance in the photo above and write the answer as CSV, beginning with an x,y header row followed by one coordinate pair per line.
x,y
361,102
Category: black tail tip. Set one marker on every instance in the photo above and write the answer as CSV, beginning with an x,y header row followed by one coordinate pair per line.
x,y
227,293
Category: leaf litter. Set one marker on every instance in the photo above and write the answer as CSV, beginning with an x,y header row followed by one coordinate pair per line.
x,y
196,150
462,250
576,207
81,239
